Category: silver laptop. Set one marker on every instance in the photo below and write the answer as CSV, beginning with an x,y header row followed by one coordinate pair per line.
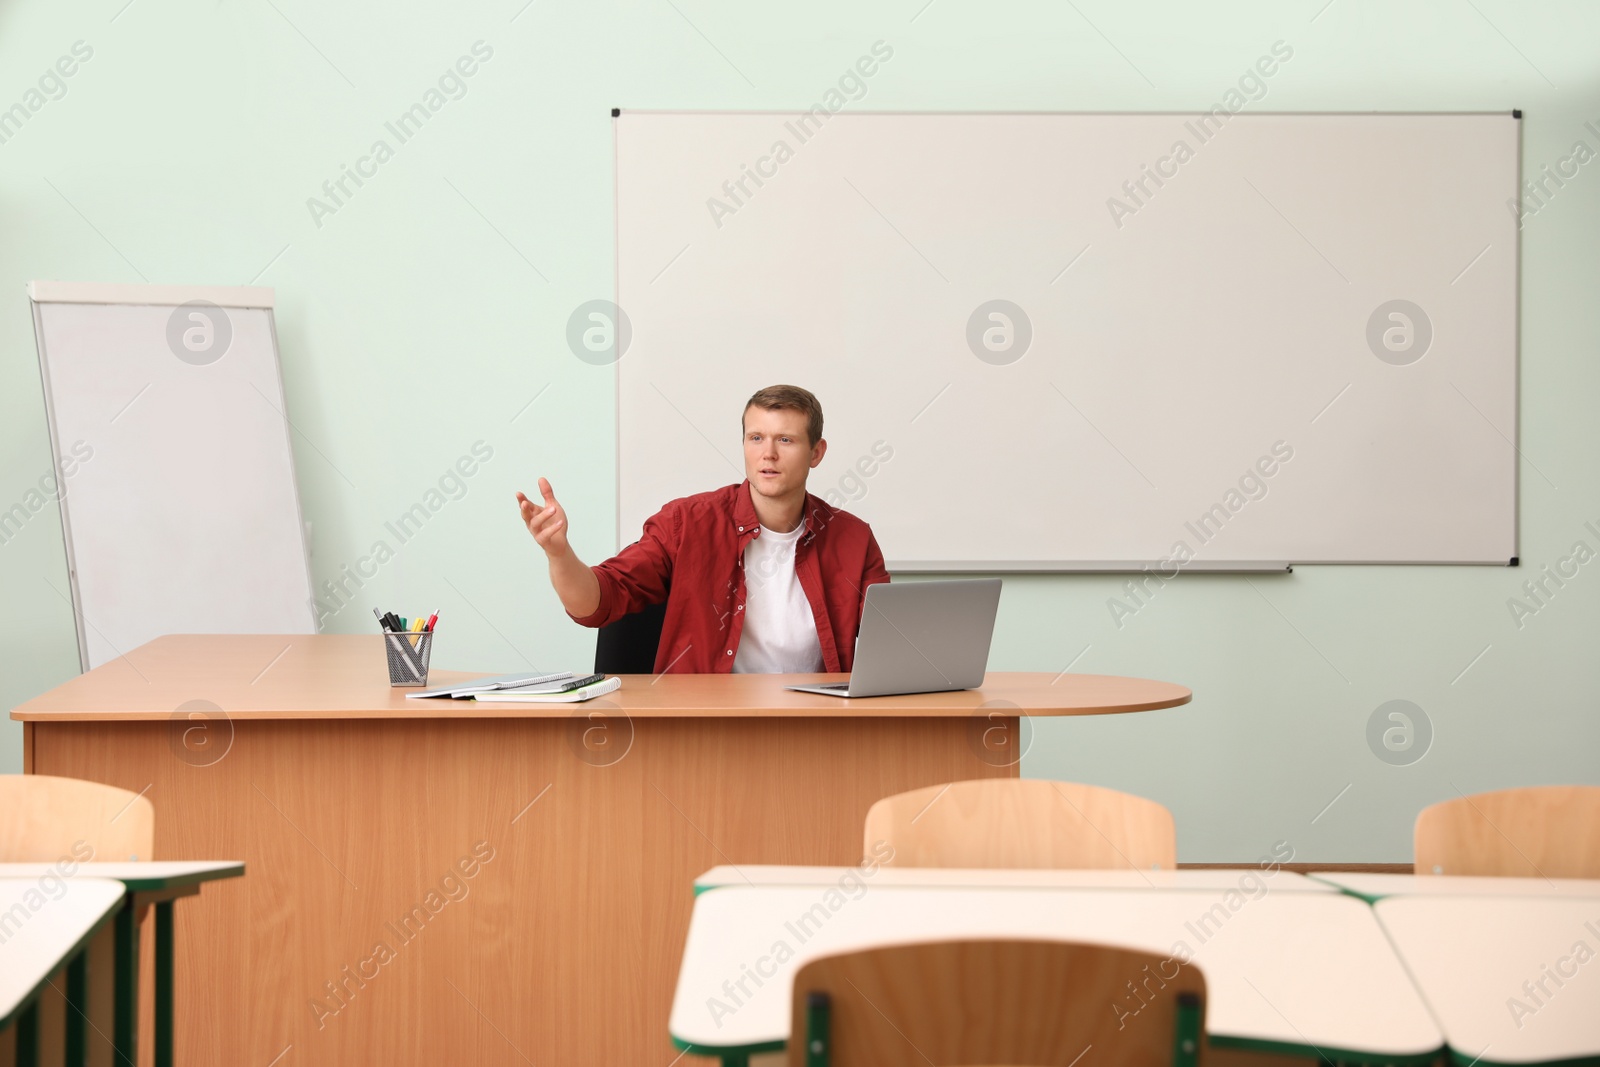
x,y
920,637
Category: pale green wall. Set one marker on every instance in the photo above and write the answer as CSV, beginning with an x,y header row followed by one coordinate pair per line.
x,y
186,148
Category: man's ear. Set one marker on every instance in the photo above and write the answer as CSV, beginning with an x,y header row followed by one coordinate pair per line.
x,y
819,450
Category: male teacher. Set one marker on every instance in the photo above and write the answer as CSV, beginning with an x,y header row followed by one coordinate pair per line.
x,y
759,577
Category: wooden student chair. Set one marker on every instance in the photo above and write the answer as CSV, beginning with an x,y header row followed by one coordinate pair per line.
x,y
43,819
1021,822
1018,1003
1544,831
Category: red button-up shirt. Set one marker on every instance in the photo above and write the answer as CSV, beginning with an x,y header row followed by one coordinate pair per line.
x,y
692,556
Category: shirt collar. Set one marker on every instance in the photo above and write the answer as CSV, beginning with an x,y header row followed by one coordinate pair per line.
x,y
744,509
814,514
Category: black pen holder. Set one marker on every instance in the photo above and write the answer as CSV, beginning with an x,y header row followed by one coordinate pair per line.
x,y
408,657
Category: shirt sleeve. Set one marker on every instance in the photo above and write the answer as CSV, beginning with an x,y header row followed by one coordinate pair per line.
x,y
640,574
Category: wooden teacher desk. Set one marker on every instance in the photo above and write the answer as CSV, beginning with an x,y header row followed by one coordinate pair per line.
x,y
438,881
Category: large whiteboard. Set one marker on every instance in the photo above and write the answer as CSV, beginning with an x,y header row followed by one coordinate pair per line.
x,y
1191,310
179,503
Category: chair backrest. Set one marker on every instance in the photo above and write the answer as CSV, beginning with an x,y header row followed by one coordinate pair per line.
x,y
43,819
1544,831
628,645
1019,1003
1021,822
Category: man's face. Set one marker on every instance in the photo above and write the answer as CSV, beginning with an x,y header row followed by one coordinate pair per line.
x,y
777,453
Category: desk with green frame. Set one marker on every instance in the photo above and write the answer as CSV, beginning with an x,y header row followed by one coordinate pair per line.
x,y
141,885
1288,970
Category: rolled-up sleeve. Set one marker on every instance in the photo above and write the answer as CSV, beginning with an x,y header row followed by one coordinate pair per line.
x,y
640,574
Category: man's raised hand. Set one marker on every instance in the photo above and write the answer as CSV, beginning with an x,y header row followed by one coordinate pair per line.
x,y
547,524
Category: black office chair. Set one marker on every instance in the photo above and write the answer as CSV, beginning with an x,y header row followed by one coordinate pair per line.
x,y
628,646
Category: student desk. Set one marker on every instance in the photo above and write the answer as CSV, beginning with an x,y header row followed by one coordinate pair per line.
x,y
143,884
438,881
1307,973
1511,979
1510,966
40,932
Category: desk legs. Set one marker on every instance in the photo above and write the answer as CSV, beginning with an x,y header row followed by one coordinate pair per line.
x,y
164,984
78,1010
75,1017
28,1036
125,1019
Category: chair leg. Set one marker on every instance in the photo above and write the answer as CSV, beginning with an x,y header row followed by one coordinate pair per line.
x,y
1186,1035
819,1050
125,1021
164,952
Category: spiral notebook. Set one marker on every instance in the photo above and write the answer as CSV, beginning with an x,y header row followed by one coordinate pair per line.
x,y
542,694
462,690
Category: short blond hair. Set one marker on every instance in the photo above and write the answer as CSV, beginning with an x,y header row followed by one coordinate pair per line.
x,y
788,398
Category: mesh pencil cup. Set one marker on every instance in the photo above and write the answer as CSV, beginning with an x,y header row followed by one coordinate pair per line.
x,y
408,657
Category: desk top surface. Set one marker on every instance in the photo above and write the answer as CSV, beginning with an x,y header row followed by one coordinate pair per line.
x,y
344,676
1512,980
46,923
1283,970
1247,881
139,877
1376,886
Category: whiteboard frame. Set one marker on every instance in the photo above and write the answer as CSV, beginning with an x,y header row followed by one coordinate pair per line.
x,y
224,296
241,297
1097,566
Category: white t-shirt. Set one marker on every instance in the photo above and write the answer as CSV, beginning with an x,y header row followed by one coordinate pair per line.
x,y
780,634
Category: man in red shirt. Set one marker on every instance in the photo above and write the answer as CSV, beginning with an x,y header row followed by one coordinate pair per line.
x,y
759,577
